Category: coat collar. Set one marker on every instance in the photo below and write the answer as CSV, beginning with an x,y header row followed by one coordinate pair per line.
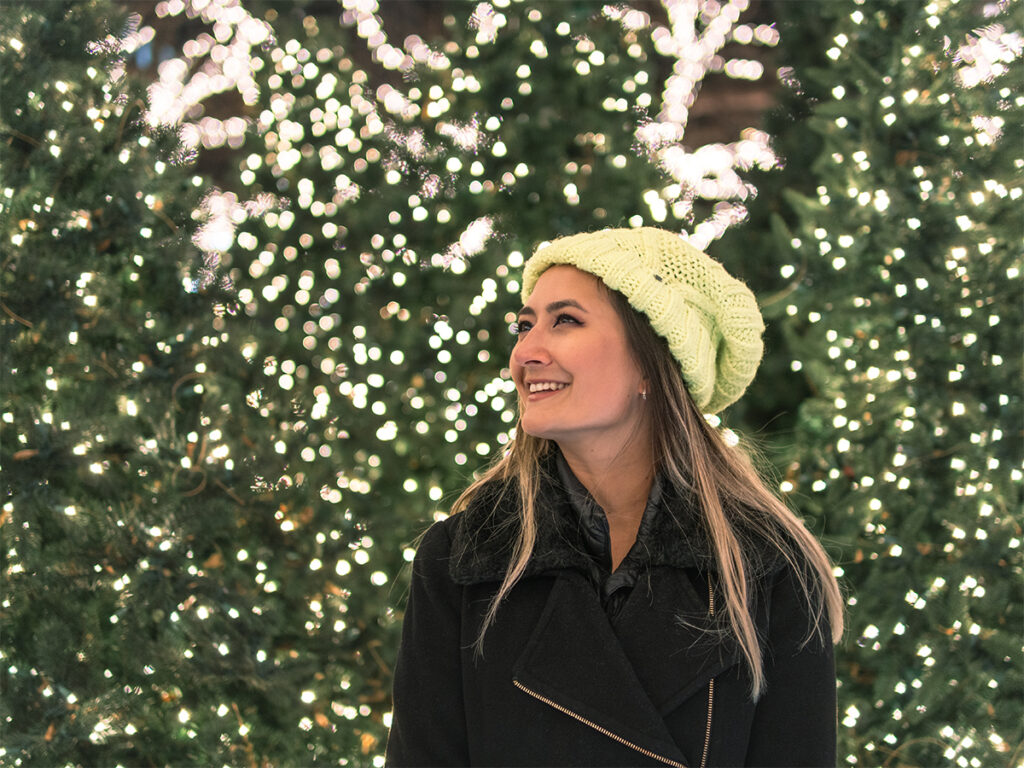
x,y
486,530
485,533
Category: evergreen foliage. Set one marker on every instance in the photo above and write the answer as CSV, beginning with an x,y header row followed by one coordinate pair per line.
x,y
899,237
102,531
216,460
208,514
375,298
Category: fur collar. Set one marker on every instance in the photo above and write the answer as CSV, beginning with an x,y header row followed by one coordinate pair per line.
x,y
485,534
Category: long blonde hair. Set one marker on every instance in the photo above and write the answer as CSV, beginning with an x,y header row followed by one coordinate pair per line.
x,y
732,494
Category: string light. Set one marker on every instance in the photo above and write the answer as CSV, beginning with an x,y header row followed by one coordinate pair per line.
x,y
875,368
297,260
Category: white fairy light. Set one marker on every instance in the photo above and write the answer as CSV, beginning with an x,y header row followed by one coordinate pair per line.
x,y
985,55
208,66
709,172
471,241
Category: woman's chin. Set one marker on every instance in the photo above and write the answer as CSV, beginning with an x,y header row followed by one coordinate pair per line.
x,y
541,428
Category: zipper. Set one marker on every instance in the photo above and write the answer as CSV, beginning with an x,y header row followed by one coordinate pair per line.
x,y
596,727
711,687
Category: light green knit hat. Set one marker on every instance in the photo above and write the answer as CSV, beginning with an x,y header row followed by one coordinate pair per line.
x,y
709,318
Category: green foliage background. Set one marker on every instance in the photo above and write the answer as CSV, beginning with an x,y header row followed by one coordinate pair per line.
x,y
215,466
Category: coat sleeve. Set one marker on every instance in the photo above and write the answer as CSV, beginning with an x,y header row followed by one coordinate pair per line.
x,y
795,719
428,726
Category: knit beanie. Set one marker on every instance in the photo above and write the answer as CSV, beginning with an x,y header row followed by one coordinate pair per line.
x,y
709,318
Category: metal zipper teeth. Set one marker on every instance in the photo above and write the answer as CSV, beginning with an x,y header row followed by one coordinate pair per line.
x,y
598,728
707,729
711,687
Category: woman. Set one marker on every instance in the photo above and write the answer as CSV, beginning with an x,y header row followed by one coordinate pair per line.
x,y
621,588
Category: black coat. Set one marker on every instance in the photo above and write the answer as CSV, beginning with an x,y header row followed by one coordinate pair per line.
x,y
561,683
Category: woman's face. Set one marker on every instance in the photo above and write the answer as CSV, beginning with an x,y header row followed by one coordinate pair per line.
x,y
577,380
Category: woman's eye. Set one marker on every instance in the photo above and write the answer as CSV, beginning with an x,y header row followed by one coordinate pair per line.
x,y
520,327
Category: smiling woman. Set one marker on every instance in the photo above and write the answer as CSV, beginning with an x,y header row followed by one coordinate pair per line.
x,y
578,381
621,588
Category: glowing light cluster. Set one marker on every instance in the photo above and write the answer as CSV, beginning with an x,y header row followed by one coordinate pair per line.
x,y
210,64
362,14
350,220
986,55
696,34
914,404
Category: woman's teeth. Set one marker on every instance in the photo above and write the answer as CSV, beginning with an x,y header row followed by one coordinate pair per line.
x,y
544,386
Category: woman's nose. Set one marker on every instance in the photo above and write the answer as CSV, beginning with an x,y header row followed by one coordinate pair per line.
x,y
530,349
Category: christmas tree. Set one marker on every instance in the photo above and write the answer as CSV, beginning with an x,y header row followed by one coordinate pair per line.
x,y
209,510
227,419
897,240
102,387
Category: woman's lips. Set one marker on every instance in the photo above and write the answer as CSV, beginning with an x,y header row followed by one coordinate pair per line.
x,y
544,389
540,386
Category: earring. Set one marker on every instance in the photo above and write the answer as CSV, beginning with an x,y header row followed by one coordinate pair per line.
x,y
644,394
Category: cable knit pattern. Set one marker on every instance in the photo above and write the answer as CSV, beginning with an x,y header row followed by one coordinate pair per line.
x,y
709,318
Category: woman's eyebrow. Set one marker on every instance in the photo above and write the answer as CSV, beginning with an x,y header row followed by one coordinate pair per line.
x,y
554,306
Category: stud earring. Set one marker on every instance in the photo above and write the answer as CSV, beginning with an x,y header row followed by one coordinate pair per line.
x,y
644,394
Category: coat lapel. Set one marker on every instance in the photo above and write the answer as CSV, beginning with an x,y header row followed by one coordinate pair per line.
x,y
666,633
574,659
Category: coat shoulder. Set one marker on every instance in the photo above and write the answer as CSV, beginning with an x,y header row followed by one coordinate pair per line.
x,y
437,539
433,551
798,614
474,544
483,535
